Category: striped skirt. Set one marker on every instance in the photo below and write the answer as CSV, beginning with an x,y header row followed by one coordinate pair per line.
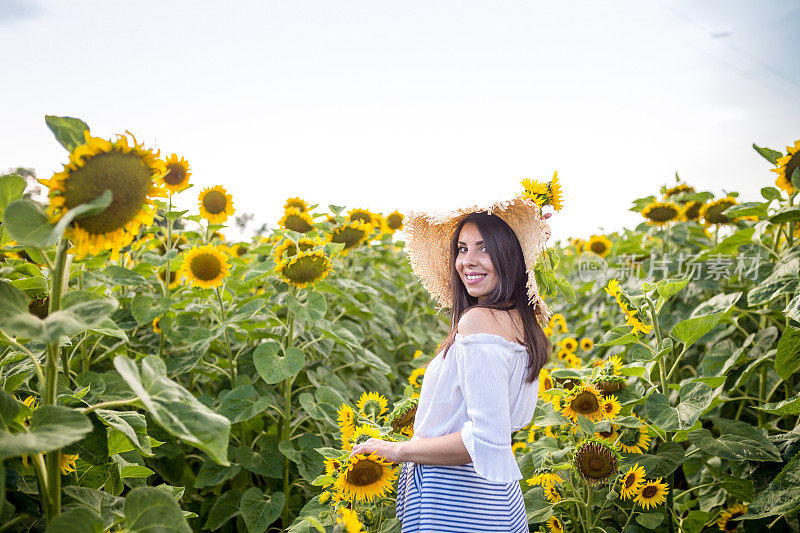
x,y
434,498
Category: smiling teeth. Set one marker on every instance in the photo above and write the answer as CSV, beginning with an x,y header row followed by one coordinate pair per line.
x,y
475,276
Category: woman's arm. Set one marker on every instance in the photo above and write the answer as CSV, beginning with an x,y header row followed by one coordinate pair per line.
x,y
444,450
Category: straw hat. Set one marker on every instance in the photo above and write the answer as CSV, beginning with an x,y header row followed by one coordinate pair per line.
x,y
428,246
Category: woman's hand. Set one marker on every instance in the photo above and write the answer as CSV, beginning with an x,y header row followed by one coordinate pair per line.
x,y
391,451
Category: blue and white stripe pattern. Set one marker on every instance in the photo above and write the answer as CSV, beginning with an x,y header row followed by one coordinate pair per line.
x,y
437,498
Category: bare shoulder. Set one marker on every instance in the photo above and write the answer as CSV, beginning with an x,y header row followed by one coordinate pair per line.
x,y
479,320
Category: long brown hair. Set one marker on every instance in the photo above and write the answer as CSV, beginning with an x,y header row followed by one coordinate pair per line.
x,y
506,256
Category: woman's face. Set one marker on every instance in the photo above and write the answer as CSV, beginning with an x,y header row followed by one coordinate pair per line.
x,y
473,264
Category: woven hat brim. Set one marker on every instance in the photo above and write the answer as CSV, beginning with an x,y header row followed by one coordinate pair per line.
x,y
428,246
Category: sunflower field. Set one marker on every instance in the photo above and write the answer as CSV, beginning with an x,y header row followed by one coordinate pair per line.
x,y
157,376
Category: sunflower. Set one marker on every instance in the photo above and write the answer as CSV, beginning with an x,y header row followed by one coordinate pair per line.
x,y
559,320
661,213
635,440
535,190
614,365
632,481
39,306
691,210
205,266
287,247
552,494
545,383
632,316
572,361
555,525
346,421
304,268
6,253
296,220
599,244
610,406
402,416
544,476
416,354
351,234
611,435
612,288
364,215
331,467
67,464
578,243
570,343
608,384
726,520
556,195
394,221
711,212
125,168
586,344
415,377
786,167
156,326
176,177
348,519
636,321
596,461
161,244
563,353
652,493
362,434
296,202
518,446
547,431
372,404
678,189
174,277
216,205
583,400
366,476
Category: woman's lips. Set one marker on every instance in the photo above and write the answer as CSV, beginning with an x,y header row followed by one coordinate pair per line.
x,y
474,281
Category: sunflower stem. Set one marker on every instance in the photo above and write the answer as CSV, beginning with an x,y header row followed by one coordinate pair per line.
x,y
36,365
53,459
231,362
589,495
169,248
285,419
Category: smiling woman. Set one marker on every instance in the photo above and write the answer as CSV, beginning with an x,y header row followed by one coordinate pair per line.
x,y
483,384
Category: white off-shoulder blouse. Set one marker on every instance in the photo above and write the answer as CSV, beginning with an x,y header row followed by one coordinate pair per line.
x,y
479,389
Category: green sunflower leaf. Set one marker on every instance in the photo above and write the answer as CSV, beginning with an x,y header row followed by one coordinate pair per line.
x,y
76,520
767,153
787,214
175,408
27,224
52,427
148,509
738,441
11,188
68,131
781,496
787,361
260,509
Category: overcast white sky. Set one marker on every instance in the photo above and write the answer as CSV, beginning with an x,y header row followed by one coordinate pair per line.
x,y
415,105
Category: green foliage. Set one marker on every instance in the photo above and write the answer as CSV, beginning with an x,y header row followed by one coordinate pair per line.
x,y
67,130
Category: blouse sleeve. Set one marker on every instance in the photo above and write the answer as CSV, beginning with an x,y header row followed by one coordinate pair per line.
x,y
483,374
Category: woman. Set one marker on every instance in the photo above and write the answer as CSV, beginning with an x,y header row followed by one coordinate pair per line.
x,y
459,473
